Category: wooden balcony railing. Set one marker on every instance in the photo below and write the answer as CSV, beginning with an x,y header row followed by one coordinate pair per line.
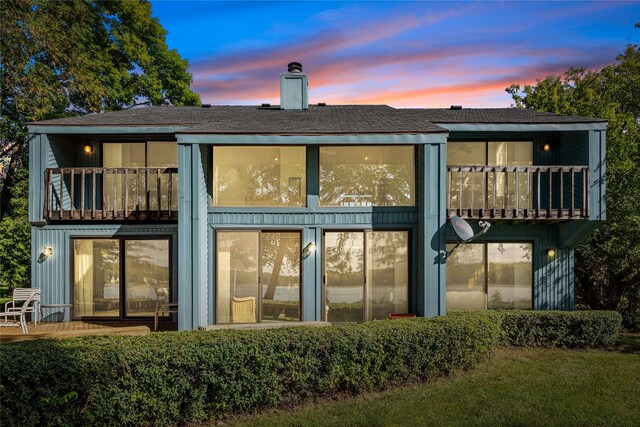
x,y
518,192
111,194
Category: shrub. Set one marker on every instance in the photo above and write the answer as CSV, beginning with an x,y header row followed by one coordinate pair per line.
x,y
180,377
572,329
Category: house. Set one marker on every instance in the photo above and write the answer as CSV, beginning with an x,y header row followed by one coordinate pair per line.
x,y
300,212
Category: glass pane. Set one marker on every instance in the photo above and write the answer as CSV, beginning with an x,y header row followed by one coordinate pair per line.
x,y
147,274
367,176
96,278
124,155
510,275
259,176
163,155
280,276
510,154
466,154
387,273
237,276
465,277
344,276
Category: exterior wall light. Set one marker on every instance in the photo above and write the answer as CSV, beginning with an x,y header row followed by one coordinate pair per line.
x,y
551,252
47,251
308,250
88,147
546,147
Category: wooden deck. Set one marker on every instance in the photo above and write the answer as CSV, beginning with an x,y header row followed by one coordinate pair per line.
x,y
78,329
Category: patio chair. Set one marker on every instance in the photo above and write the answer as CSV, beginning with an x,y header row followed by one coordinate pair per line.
x,y
20,313
25,294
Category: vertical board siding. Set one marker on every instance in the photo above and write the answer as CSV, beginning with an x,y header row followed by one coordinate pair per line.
x,y
431,225
185,273
53,275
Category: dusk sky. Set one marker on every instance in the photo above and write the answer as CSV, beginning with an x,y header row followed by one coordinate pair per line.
x,y
404,54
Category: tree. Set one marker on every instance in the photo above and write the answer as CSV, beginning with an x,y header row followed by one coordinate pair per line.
x,y
608,261
62,58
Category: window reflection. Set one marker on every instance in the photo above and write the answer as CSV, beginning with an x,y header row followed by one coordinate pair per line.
x,y
237,277
503,153
259,176
99,276
347,297
344,276
367,176
509,279
96,282
280,276
387,273
147,274
140,187
490,275
466,277
258,276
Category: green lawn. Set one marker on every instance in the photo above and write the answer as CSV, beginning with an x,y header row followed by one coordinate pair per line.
x,y
514,387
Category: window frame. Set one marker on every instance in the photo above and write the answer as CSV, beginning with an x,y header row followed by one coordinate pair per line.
x,y
414,177
485,250
211,171
121,271
217,231
323,281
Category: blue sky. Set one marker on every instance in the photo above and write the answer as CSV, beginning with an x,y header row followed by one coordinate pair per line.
x,y
404,54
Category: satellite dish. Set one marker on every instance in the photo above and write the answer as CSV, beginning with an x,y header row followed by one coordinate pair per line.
x,y
464,231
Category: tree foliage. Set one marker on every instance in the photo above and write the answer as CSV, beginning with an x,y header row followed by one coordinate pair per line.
x,y
608,261
62,58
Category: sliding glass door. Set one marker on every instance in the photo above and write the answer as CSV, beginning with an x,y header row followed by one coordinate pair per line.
x,y
257,276
366,275
490,276
117,278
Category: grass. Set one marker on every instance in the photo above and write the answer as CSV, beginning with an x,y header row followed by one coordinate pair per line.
x,y
514,387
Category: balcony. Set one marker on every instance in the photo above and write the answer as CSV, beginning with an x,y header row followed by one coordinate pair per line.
x,y
518,192
121,194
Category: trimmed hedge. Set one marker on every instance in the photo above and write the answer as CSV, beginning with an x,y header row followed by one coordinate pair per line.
x,y
571,329
179,377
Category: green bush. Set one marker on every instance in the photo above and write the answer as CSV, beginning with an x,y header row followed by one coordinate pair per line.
x,y
572,329
179,377
183,377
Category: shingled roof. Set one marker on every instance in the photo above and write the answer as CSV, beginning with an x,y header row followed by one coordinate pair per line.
x,y
317,120
496,115
335,119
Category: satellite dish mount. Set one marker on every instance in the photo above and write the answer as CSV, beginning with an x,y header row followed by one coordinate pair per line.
x,y
464,232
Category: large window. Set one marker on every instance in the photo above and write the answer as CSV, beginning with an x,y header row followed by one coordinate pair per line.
x,y
257,276
259,176
141,188
485,190
367,176
120,277
489,275
366,275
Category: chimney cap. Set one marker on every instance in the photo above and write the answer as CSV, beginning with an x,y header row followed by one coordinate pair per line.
x,y
456,107
294,67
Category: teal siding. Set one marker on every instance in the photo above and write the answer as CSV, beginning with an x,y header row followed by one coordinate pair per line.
x,y
431,282
193,240
53,275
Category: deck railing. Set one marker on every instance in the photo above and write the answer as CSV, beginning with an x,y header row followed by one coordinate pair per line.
x,y
111,193
518,192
